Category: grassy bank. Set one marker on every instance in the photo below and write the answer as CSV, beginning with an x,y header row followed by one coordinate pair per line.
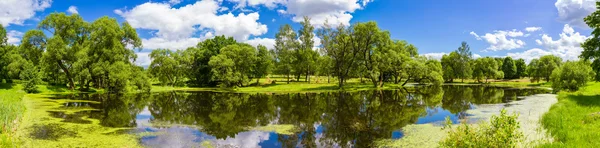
x,y
574,121
11,112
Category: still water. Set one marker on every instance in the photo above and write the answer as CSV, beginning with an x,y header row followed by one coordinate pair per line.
x,y
332,119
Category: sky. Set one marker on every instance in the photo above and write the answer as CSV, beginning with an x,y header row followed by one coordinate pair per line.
x,y
524,29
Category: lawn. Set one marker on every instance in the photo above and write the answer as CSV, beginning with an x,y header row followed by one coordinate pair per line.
x,y
575,120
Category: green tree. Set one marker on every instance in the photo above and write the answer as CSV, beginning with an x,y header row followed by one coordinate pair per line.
x,y
264,63
591,45
201,73
33,45
571,75
423,70
521,68
450,65
464,69
372,43
285,47
68,36
166,67
547,64
533,70
509,68
30,77
485,68
234,65
305,55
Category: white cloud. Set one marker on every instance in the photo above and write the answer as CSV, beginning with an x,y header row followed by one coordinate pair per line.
x,y
17,11
267,42
573,11
529,55
143,59
14,37
502,40
72,10
178,27
435,55
334,11
568,46
533,29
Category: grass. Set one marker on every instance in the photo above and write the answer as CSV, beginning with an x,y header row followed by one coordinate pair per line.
x,y
575,120
524,82
11,111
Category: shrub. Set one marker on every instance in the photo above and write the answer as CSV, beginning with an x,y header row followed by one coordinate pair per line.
x,y
30,75
571,75
502,131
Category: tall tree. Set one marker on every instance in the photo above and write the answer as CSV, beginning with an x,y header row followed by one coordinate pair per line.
x,y
33,45
547,64
450,66
591,46
464,69
264,63
521,68
509,68
533,70
285,46
166,67
201,73
68,35
486,68
337,45
233,65
306,56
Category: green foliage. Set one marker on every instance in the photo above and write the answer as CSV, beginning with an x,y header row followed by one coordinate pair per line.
x,y
521,68
509,68
168,66
285,45
485,68
201,73
31,77
546,65
591,45
234,65
264,63
502,131
571,75
457,64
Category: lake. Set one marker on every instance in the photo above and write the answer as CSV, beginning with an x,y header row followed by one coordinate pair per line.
x,y
328,119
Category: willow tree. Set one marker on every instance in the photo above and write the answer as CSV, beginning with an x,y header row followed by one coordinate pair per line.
x,y
68,36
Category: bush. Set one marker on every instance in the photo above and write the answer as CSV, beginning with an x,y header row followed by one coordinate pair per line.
x,y
30,75
502,131
571,75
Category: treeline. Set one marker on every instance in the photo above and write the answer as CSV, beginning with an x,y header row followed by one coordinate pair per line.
x,y
66,50
360,50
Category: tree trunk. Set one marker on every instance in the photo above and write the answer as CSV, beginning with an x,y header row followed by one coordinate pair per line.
x,y
406,81
257,81
71,83
328,75
288,78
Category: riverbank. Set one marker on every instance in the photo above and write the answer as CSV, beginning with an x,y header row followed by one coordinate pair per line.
x,y
574,121
530,110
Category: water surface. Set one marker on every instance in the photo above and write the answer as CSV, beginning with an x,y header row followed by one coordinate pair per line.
x,y
331,119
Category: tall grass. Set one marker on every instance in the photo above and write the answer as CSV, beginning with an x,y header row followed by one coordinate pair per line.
x,y
575,120
11,111
502,132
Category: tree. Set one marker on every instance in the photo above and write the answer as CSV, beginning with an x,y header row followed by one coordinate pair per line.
x,y
532,70
423,70
547,64
509,68
285,45
450,64
69,33
165,67
33,45
305,55
201,73
521,68
485,68
31,77
572,75
264,63
369,41
592,44
233,65
464,69
337,45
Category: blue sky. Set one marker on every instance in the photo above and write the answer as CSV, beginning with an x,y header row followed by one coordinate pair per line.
x,y
518,28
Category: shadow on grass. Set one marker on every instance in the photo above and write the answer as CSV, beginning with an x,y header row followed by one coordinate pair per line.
x,y
57,88
584,100
6,85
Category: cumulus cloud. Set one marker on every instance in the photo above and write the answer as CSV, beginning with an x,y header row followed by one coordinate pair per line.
x,y
529,54
17,11
334,11
178,27
143,59
533,29
14,37
573,11
267,42
72,10
568,46
501,39
174,2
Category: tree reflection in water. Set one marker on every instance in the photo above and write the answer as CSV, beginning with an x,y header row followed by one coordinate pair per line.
x,y
333,119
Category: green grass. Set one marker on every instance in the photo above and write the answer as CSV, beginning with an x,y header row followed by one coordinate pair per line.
x,y
524,82
575,120
11,112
